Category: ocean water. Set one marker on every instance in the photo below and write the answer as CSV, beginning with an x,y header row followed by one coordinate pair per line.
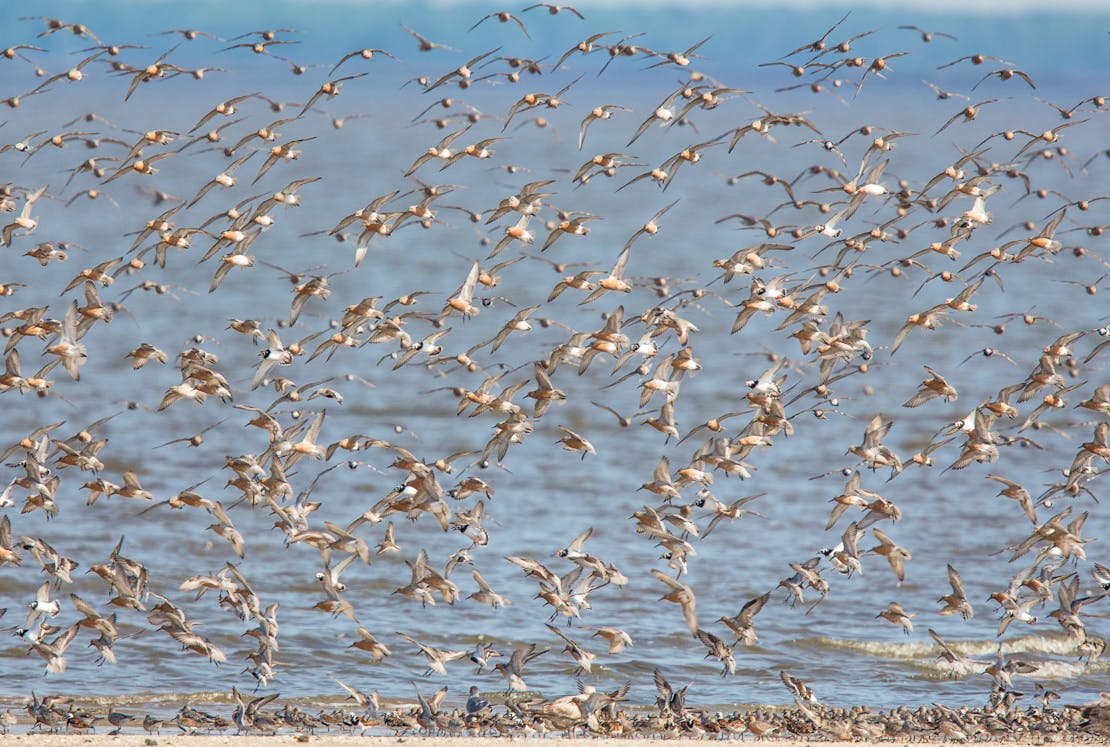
x,y
543,495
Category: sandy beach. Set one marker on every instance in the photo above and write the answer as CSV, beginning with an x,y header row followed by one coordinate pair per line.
x,y
135,740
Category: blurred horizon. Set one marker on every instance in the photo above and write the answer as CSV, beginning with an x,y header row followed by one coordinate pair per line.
x,y
1067,40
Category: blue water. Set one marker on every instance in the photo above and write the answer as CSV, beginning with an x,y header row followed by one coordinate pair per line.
x,y
545,495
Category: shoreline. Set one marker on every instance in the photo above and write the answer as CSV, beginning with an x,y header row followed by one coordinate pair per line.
x,y
137,740
587,717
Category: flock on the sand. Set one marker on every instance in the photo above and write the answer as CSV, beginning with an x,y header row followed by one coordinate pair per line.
x,y
850,221
600,714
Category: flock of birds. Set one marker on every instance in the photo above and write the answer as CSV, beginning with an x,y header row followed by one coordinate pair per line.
x,y
597,714
853,222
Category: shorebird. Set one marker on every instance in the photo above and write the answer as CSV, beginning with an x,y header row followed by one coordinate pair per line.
x,y
504,17
1018,493
927,319
798,688
485,594
872,451
463,73
571,441
371,645
928,36
329,90
742,624
933,387
1006,73
853,496
53,651
896,615
957,600
224,179
24,222
583,658
669,701
555,10
616,638
717,649
967,114
366,53
437,658
602,112
423,44
513,670
721,511
682,595
614,281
